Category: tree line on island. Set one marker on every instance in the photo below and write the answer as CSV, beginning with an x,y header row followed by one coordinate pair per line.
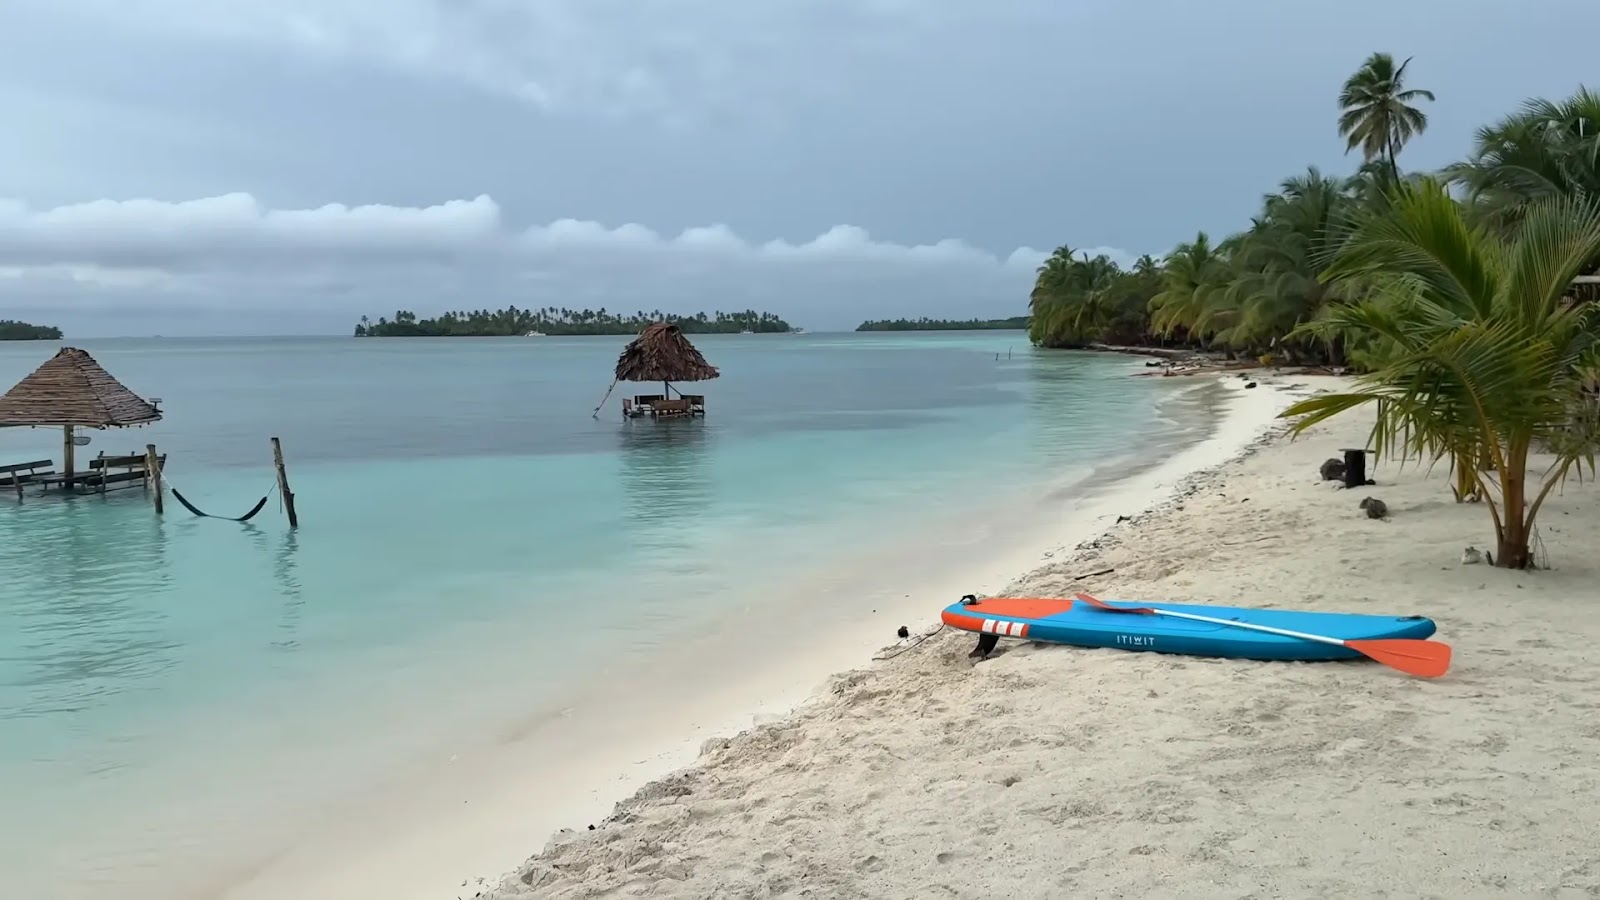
x,y
1463,298
1016,323
552,320
12,330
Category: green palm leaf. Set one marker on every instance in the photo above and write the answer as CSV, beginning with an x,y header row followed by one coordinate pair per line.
x,y
1481,355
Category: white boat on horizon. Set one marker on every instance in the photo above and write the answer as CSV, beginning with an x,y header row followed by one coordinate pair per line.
x,y
535,334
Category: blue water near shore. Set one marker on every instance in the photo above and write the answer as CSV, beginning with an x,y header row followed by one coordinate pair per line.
x,y
466,524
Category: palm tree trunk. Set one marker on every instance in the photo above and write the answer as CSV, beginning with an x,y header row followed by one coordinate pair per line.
x,y
1513,550
1466,486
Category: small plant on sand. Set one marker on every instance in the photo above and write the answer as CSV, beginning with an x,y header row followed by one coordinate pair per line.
x,y
1481,355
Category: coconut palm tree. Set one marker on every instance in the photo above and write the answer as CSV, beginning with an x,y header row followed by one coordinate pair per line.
x,y
1277,267
1192,270
1046,304
1376,111
1093,302
1074,300
1483,357
1547,148
1252,291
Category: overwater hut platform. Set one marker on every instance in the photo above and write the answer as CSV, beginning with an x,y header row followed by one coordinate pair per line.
x,y
662,353
71,391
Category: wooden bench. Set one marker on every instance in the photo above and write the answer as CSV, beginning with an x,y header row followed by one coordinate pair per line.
x,y
656,405
641,405
132,469
670,408
14,476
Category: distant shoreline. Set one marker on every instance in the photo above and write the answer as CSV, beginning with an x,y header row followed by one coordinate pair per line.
x,y
618,333
12,330
1187,361
552,322
1013,323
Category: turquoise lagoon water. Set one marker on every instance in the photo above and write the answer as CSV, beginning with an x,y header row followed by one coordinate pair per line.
x,y
466,526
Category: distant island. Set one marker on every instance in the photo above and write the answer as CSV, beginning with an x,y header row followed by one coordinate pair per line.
x,y
12,330
513,322
1016,323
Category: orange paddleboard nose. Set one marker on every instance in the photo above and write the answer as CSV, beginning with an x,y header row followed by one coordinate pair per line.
x,y
1020,607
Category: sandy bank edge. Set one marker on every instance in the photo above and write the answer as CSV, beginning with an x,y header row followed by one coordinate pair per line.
x,y
1249,423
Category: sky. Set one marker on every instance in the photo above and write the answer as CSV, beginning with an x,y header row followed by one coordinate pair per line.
x,y
286,166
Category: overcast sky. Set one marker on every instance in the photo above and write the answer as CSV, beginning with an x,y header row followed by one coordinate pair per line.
x,y
284,166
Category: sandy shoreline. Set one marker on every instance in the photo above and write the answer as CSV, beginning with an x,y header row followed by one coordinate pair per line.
x,y
451,827
1050,772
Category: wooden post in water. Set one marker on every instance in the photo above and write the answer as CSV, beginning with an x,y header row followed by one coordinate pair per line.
x,y
283,484
152,473
68,452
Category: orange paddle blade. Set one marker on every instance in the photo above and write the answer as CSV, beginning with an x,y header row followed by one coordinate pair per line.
x,y
1097,604
1425,659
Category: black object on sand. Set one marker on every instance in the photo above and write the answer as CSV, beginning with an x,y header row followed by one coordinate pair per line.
x,y
986,645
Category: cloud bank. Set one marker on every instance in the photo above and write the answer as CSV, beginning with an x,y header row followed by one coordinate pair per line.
x,y
231,253
613,57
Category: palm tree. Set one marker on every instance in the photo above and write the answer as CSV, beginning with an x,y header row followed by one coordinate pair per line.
x,y
1251,291
1547,148
1277,282
1093,303
1193,270
1376,112
1483,356
1046,304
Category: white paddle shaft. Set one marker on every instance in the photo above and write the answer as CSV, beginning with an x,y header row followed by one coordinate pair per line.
x,y
1264,628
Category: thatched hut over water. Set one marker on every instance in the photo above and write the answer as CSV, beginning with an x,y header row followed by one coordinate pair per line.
x,y
71,391
662,353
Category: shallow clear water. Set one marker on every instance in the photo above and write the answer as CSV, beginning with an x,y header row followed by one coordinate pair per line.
x,y
459,509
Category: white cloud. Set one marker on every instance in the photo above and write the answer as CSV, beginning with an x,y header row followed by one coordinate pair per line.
x,y
236,230
1029,258
608,56
232,252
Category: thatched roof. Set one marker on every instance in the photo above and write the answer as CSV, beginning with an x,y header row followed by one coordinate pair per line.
x,y
662,353
72,389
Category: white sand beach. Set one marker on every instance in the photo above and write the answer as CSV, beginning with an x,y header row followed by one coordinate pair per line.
x,y
451,826
1059,772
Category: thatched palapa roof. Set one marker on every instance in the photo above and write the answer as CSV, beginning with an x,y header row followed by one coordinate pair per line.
x,y
662,353
72,389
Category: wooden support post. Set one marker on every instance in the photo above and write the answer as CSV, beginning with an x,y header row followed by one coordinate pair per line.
x,y
67,453
152,473
283,484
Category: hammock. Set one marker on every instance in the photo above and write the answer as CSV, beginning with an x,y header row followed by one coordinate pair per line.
x,y
245,518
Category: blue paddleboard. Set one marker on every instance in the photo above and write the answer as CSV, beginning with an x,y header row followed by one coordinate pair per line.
x,y
1064,621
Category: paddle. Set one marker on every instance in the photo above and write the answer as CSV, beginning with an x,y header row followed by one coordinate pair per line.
x,y
1426,659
